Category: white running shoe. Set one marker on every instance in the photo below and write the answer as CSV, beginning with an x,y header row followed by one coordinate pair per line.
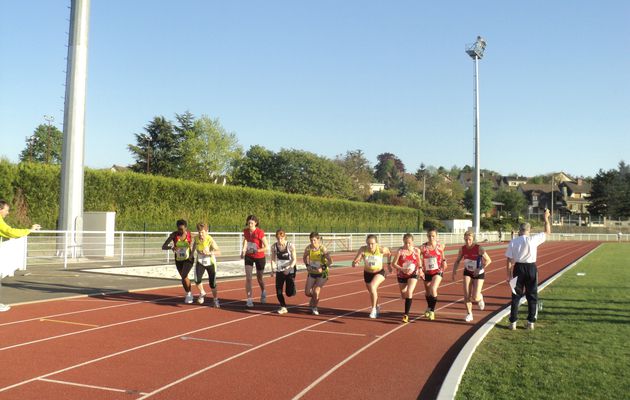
x,y
481,304
216,303
4,307
282,310
374,313
201,298
315,311
469,318
189,298
263,297
530,326
250,303
512,326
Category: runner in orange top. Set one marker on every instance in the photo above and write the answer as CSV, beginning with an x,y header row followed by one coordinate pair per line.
x,y
434,264
253,251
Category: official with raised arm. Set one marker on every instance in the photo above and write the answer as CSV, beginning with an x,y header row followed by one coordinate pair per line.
x,y
521,256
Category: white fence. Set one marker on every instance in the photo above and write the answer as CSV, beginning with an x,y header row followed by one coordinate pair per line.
x,y
145,248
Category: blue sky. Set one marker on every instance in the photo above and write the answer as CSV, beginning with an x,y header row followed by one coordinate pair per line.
x,y
331,76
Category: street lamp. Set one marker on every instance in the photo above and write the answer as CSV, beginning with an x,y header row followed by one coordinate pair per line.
x,y
49,119
424,182
475,51
149,154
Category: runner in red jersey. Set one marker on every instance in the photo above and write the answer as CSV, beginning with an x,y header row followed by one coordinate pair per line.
x,y
407,265
476,260
253,251
434,265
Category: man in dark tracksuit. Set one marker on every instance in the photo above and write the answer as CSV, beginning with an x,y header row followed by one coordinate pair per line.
x,y
521,256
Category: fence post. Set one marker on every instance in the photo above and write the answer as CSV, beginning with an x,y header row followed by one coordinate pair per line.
x,y
65,250
122,248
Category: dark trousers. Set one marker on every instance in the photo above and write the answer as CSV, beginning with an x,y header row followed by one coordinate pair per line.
x,y
281,279
526,279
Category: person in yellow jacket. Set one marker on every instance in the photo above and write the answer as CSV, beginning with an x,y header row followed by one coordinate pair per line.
x,y
7,232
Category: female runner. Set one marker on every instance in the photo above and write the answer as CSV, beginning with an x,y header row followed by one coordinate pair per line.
x,y
283,258
434,264
476,260
206,249
317,261
253,251
373,271
407,264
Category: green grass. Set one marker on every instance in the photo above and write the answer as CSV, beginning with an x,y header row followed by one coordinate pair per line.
x,y
580,348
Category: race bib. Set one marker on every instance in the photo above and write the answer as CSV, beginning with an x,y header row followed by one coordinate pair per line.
x,y
374,263
431,263
252,247
471,265
281,265
409,267
181,253
315,266
205,260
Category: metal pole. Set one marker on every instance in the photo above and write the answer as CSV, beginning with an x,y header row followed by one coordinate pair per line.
x,y
71,201
477,174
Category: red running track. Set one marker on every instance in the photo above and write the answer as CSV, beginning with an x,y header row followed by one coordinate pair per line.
x,y
151,345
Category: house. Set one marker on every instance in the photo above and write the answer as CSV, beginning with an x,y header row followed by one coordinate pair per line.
x,y
513,182
376,187
540,196
575,196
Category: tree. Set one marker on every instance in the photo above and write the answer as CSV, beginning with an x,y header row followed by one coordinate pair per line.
x,y
44,145
256,169
610,192
485,197
389,170
158,150
514,202
358,168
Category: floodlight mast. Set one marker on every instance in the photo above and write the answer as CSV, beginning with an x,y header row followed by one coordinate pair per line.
x,y
475,51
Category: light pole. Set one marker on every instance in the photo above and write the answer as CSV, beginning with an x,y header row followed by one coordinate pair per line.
x,y
149,154
49,119
424,182
475,51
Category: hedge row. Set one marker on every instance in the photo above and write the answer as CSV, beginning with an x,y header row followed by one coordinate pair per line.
x,y
144,202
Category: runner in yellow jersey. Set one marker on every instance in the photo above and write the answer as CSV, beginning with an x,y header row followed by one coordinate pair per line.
x,y
317,261
373,271
206,249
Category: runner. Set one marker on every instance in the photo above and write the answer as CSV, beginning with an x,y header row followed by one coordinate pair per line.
x,y
180,242
283,258
253,251
206,249
317,260
407,264
373,271
476,260
434,265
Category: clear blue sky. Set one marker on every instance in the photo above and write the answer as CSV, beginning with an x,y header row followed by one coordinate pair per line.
x,y
330,76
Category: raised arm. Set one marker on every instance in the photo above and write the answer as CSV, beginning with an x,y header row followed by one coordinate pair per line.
x,y
547,223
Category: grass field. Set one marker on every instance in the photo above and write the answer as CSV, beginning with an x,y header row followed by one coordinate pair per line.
x,y
580,348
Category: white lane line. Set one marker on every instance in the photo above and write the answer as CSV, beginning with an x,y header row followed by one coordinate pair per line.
x,y
215,341
67,322
93,386
337,333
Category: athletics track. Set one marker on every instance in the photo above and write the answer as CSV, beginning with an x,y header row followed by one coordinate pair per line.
x,y
149,344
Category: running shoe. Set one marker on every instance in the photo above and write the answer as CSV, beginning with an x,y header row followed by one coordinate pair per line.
x,y
512,326
374,313
405,318
530,326
250,302
189,298
431,315
427,313
315,311
4,307
201,298
469,318
282,310
263,297
481,304
216,303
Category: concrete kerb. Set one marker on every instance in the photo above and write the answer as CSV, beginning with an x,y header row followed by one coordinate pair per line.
x,y
449,387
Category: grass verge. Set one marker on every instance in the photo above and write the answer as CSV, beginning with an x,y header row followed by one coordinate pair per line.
x,y
579,349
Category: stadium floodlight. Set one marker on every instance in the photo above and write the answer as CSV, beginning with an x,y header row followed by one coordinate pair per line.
x,y
475,51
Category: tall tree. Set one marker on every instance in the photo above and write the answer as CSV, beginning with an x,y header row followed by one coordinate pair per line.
x,y
44,145
256,169
389,170
514,202
610,192
485,197
358,168
158,150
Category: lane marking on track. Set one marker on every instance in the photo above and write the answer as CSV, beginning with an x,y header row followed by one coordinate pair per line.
x,y
215,341
340,333
127,391
67,322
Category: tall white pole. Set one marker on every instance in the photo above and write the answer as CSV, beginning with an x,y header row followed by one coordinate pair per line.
x,y
71,202
477,174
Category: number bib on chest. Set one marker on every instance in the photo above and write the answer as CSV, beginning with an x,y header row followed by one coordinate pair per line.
x,y
181,253
471,265
373,263
252,247
431,263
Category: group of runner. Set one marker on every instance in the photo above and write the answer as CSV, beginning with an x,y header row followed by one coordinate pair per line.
x,y
426,262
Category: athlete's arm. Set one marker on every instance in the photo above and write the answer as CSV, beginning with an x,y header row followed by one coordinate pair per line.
x,y
358,257
485,257
457,261
166,245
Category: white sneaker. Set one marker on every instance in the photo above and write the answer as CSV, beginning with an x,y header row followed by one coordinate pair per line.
x,y
4,307
282,310
374,313
250,303
189,298
512,326
201,298
469,318
315,311
530,326
481,304
263,297
216,303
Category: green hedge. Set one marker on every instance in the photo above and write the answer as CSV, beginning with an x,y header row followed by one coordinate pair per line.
x,y
144,202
